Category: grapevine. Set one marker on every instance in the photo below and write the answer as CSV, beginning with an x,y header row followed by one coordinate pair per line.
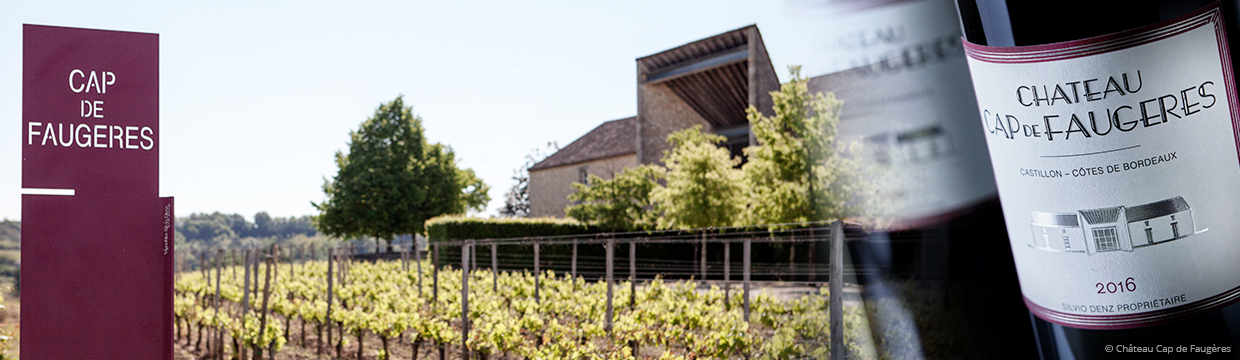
x,y
667,320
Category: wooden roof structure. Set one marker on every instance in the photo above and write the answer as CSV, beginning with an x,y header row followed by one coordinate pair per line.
x,y
711,75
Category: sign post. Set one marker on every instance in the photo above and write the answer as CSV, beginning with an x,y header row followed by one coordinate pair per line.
x,y
97,257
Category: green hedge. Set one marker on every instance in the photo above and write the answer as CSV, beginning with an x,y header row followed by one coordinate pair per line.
x,y
458,227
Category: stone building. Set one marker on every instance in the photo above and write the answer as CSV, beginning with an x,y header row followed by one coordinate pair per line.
x,y
708,82
604,151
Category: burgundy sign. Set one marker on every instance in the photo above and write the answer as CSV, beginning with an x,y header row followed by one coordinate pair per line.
x,y
97,255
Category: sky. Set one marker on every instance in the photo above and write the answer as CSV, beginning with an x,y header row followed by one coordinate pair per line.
x,y
257,97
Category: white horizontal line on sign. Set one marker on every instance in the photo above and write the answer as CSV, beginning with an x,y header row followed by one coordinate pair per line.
x,y
36,191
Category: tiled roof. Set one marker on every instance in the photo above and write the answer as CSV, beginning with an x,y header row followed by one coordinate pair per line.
x,y
1101,216
1056,219
612,138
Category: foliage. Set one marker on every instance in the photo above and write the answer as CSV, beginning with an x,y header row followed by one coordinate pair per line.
x,y
213,227
462,227
800,172
267,226
622,202
703,187
10,235
473,191
679,320
517,199
393,180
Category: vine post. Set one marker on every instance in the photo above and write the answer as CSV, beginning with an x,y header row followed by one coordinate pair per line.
x,y
633,274
245,295
275,275
417,258
435,274
745,264
727,274
331,253
465,249
611,258
836,300
703,260
262,318
218,345
494,268
537,270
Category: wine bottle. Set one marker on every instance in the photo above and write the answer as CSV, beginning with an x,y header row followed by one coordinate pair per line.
x,y
1112,130
938,281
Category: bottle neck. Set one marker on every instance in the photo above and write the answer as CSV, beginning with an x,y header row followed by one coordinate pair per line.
x,y
1024,23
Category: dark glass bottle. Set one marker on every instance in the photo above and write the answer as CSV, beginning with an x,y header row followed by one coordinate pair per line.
x,y
939,282
1015,24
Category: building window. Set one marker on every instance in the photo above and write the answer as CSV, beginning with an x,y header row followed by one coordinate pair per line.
x,y
583,176
1105,239
1175,230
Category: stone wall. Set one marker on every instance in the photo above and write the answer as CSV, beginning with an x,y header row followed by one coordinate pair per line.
x,y
549,188
660,113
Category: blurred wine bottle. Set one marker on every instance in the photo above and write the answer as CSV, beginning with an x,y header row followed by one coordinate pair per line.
x,y
938,278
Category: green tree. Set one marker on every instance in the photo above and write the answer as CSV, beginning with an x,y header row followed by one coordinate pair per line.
x,y
799,172
621,203
392,180
211,229
703,187
473,191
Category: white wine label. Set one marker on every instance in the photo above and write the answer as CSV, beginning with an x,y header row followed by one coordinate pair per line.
x,y
1116,162
841,35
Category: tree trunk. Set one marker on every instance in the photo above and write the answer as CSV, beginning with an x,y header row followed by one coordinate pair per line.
x,y
361,335
385,347
287,320
197,344
319,340
340,341
416,345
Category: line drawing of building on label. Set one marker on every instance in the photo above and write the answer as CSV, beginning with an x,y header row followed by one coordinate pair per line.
x,y
1116,228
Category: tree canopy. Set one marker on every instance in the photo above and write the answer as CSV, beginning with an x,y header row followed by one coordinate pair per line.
x,y
799,171
217,229
620,203
393,180
703,187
